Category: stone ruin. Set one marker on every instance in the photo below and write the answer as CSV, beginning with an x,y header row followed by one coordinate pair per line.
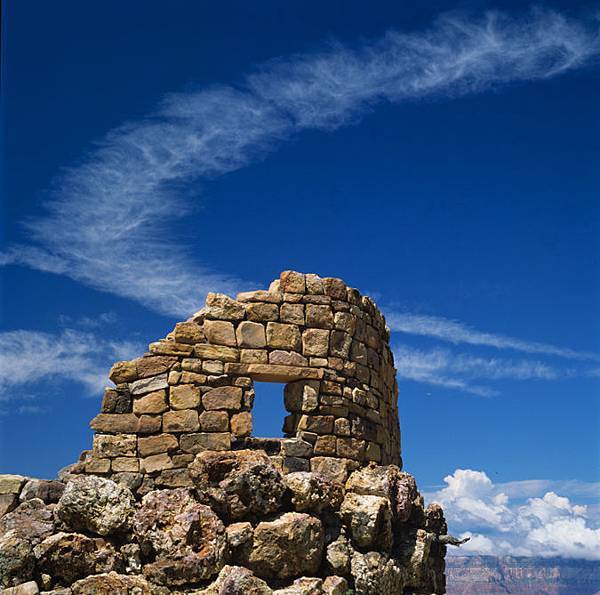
x,y
177,495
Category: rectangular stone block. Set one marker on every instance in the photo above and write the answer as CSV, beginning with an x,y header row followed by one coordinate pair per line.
x,y
182,459
273,373
152,445
95,465
151,403
241,424
116,401
170,348
188,332
263,312
191,364
184,396
292,313
335,288
153,365
296,447
251,335
341,427
192,378
350,448
125,465
319,316
331,388
314,284
293,298
323,300
213,367
344,321
340,344
216,352
358,353
283,336
125,371
149,424
335,411
195,443
221,307
292,282
254,356
363,373
155,463
287,358
214,421
185,420
224,397
301,396
119,445
220,332
115,423
325,445
320,424
318,362
148,385
272,297
315,342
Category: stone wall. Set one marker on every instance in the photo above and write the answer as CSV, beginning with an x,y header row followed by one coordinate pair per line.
x,y
193,391
177,496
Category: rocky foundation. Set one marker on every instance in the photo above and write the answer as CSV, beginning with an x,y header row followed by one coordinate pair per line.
x,y
177,496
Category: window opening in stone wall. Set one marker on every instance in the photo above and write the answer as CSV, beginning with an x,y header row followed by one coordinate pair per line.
x,y
268,411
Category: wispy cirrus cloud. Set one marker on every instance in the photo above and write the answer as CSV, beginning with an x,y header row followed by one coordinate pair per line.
x,y
457,332
442,367
107,222
28,358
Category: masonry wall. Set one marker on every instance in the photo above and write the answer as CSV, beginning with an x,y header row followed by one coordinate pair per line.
x,y
193,390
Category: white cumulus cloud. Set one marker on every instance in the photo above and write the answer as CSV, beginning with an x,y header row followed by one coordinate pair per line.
x,y
548,526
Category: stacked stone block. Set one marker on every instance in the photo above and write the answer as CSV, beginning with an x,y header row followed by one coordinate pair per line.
x,y
193,390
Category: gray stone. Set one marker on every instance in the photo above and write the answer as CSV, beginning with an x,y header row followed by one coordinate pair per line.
x,y
237,580
287,547
148,385
95,504
313,493
187,538
369,520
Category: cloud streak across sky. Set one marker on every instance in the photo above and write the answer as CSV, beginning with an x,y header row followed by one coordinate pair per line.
x,y
28,358
457,332
444,368
106,224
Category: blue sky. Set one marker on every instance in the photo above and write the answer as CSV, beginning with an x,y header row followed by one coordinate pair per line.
x,y
443,159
